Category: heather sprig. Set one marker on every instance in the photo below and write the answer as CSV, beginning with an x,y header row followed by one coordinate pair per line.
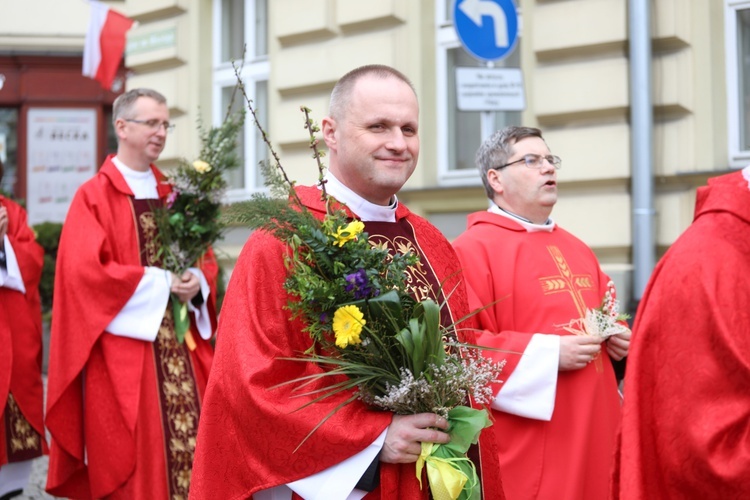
x,y
603,321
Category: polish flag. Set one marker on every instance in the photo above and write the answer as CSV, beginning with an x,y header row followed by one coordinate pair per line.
x,y
105,43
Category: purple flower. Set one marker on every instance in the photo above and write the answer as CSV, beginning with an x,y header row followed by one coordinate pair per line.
x,y
358,284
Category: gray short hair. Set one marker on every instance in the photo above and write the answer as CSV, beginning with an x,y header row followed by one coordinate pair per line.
x,y
123,106
496,151
342,91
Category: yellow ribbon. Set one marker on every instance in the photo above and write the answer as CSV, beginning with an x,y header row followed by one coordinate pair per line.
x,y
446,482
190,341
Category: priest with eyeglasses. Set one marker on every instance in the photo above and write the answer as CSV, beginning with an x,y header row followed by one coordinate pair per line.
x,y
557,412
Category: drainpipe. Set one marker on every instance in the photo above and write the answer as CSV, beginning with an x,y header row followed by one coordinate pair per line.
x,y
641,130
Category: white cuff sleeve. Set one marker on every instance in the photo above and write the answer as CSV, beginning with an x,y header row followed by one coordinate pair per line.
x,y
10,277
141,317
530,390
202,320
335,483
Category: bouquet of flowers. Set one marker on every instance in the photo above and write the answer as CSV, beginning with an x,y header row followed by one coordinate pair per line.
x,y
603,321
353,299
189,222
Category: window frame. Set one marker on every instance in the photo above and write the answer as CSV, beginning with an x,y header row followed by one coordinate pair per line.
x,y
447,40
254,70
738,157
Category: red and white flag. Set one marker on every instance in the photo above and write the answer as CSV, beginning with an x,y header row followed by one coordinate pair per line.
x,y
105,43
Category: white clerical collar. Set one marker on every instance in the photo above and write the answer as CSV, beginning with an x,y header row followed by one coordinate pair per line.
x,y
142,184
365,210
746,175
526,223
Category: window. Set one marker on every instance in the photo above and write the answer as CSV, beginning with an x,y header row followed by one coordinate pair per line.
x,y
461,135
737,21
241,37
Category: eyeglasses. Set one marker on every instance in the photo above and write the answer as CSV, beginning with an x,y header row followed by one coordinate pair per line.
x,y
154,124
535,161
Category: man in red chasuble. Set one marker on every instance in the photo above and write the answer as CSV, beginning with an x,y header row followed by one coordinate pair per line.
x,y
557,412
21,392
686,420
248,443
124,396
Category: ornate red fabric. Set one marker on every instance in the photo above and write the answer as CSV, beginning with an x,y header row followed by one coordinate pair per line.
x,y
249,433
686,420
101,388
538,282
21,329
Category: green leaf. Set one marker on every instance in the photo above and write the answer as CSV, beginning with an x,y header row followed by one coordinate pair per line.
x,y
181,318
430,318
176,219
197,228
405,338
385,306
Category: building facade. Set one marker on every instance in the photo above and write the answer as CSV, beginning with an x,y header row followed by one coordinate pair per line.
x,y
574,56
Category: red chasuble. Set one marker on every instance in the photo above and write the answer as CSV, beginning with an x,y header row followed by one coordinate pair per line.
x,y
120,410
543,280
686,420
249,432
21,392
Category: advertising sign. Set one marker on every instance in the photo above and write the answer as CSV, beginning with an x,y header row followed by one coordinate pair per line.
x,y
61,155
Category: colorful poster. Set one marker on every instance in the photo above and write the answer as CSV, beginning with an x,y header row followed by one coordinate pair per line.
x,y
61,155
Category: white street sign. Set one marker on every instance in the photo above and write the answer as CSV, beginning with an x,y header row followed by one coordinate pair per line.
x,y
490,89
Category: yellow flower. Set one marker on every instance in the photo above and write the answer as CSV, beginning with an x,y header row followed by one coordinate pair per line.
x,y
347,325
348,233
201,166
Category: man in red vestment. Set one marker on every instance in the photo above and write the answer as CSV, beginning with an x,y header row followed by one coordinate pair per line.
x,y
558,409
123,395
686,419
21,393
250,434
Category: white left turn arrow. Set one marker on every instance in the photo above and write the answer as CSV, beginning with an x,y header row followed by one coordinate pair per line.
x,y
476,9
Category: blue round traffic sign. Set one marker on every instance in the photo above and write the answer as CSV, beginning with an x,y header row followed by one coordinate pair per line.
x,y
488,29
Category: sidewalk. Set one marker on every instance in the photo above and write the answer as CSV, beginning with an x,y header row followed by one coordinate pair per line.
x,y
35,489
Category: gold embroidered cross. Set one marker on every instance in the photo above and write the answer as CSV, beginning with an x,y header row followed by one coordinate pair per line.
x,y
568,282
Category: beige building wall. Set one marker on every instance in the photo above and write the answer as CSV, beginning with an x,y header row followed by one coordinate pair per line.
x,y
574,57
314,42
170,50
43,26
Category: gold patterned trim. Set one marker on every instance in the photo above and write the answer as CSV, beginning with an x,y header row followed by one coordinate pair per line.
x,y
22,437
180,406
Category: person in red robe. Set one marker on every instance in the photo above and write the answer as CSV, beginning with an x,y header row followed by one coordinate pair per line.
x,y
124,396
249,441
21,392
686,419
556,414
